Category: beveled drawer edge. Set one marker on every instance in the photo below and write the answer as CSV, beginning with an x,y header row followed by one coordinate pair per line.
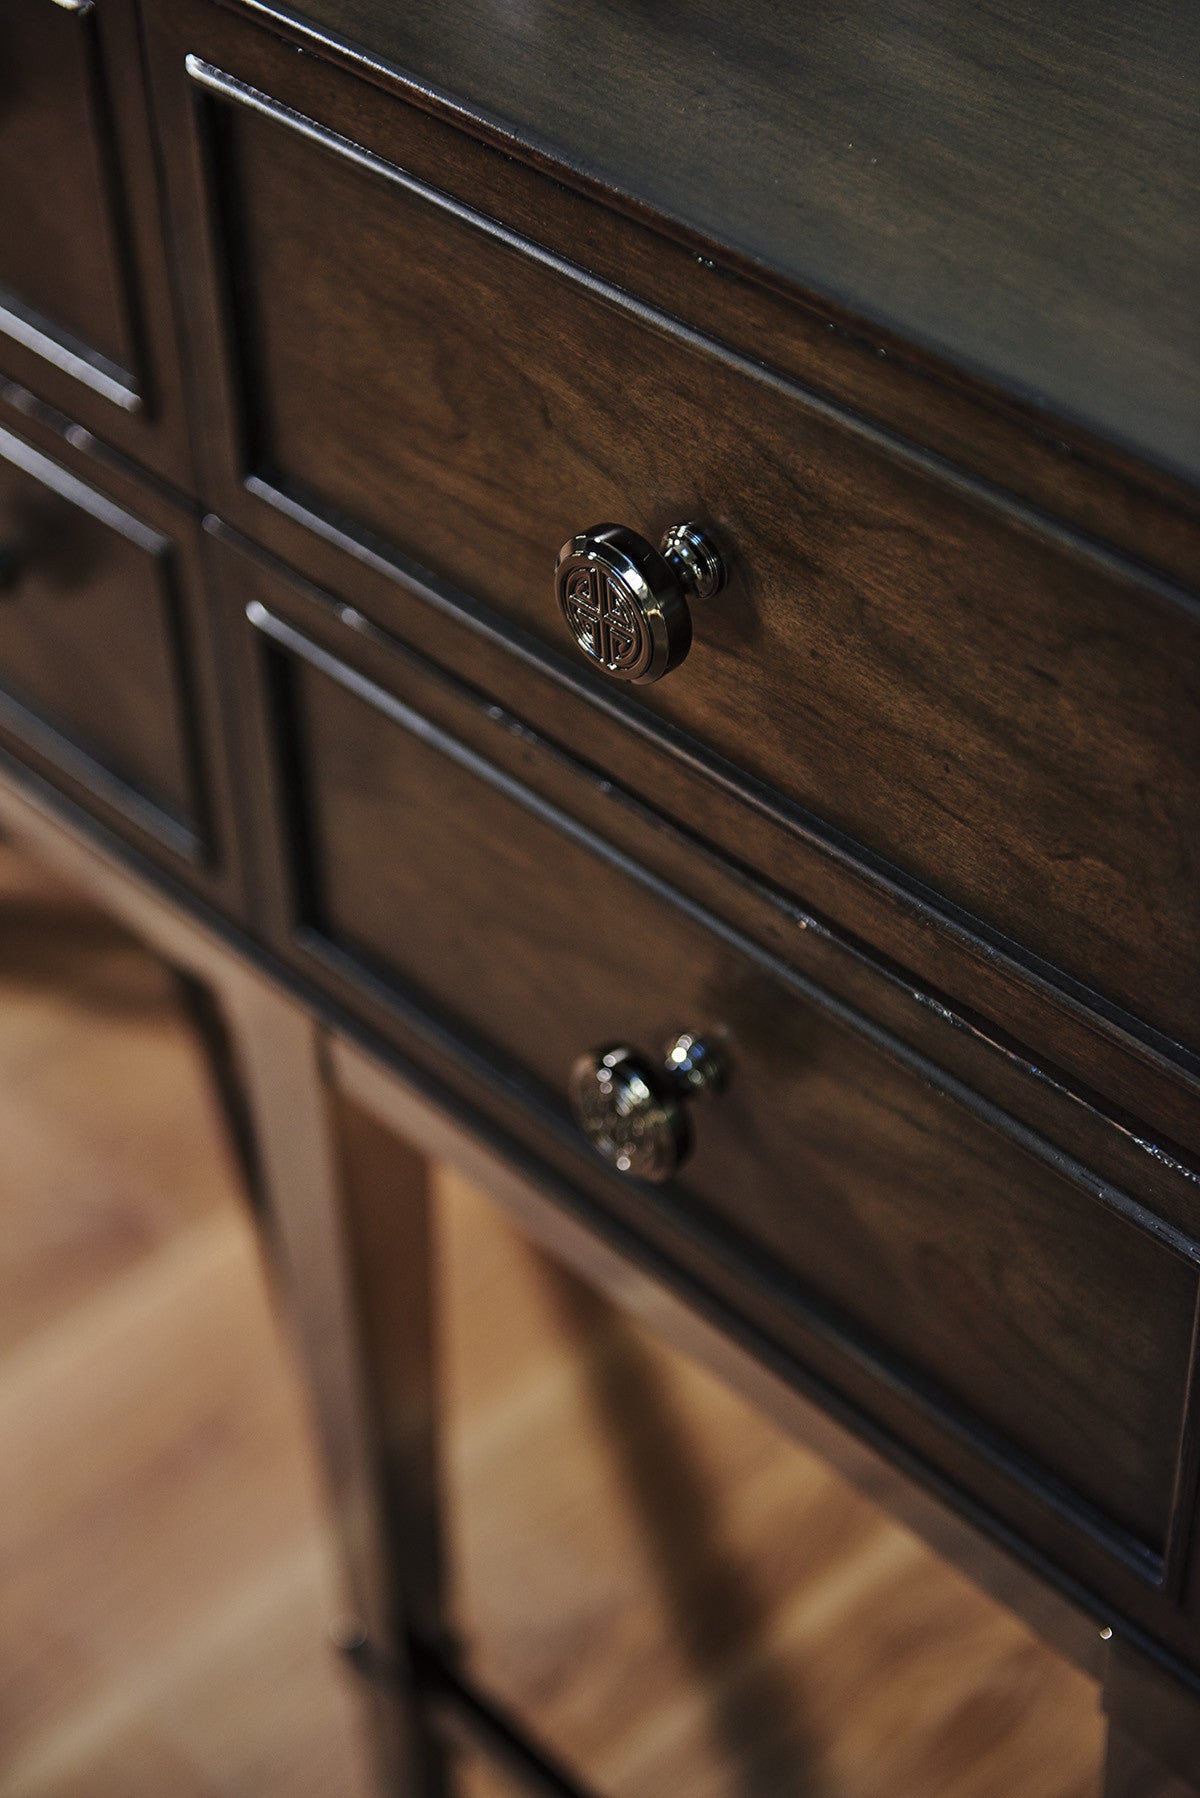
x,y
1046,983
76,765
881,968
89,499
567,1228
1061,447
1142,1038
413,721
453,1065
477,1067
70,357
42,738
1021,515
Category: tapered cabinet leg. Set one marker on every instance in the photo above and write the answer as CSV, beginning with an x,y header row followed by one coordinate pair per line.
x,y
1129,1772
1153,1725
348,1217
206,1015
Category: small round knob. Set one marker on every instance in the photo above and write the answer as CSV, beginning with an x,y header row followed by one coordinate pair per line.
x,y
625,602
633,1110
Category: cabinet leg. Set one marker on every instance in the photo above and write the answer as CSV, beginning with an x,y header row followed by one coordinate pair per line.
x,y
1129,1772
349,1228
202,1004
1153,1725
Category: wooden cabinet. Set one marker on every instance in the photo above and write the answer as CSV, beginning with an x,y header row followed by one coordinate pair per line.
x,y
469,400
907,837
423,437
474,872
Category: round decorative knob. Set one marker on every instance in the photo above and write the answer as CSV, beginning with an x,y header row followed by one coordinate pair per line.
x,y
625,602
633,1110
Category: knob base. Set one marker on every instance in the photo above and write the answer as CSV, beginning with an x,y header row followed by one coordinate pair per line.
x,y
695,559
691,1060
634,1110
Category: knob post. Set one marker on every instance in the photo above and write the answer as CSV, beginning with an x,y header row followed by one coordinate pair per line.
x,y
695,560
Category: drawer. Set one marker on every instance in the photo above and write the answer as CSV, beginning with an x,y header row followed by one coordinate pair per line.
x,y
107,678
436,868
84,312
977,707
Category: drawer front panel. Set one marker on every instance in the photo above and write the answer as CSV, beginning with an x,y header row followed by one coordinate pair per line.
x,y
60,263
965,1257
1003,717
105,682
86,317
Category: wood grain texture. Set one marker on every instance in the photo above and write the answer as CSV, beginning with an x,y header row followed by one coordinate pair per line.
x,y
1059,1039
167,1570
945,1242
714,1265
1035,709
1065,471
1015,193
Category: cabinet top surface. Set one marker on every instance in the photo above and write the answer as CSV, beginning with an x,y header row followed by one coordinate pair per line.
x,y
1012,186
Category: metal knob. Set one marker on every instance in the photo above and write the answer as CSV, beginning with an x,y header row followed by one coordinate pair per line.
x,y
634,1110
625,602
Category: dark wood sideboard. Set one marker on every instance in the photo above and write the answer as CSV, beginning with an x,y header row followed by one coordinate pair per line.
x,y
799,912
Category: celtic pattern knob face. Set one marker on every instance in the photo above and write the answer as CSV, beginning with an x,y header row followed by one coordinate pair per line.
x,y
634,1112
625,602
605,622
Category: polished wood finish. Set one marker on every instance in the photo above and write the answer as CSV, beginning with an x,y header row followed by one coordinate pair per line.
x,y
899,1212
568,1441
300,1162
86,313
875,614
1154,1722
61,258
88,633
583,1243
910,829
923,1228
954,182
264,375
878,376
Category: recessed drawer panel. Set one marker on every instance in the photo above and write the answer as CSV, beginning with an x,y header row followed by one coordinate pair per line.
x,y
84,310
950,1246
983,705
106,682
60,263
